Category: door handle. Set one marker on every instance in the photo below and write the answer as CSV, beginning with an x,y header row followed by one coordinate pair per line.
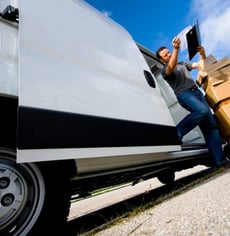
x,y
150,79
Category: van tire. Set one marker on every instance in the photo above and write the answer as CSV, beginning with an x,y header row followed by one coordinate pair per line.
x,y
35,198
167,177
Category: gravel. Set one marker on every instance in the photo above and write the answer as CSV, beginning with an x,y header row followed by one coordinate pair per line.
x,y
201,211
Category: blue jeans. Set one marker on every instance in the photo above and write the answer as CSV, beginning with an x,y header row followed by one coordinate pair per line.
x,y
200,114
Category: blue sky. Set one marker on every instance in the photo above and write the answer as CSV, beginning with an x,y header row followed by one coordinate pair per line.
x,y
154,23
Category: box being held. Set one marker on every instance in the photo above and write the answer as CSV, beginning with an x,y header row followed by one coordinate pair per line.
x,y
210,67
214,76
217,90
222,115
222,65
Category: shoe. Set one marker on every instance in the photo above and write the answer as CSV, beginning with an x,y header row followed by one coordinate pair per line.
x,y
225,164
180,141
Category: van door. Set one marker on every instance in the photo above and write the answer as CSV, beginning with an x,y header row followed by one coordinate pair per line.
x,y
85,90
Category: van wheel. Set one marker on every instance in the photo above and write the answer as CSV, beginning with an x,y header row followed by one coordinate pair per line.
x,y
31,203
166,177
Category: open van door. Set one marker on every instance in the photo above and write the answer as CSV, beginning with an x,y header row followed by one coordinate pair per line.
x,y
85,89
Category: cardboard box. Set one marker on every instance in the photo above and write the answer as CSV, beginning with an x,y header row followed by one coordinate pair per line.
x,y
201,78
211,81
222,115
217,65
217,90
221,72
209,60
212,68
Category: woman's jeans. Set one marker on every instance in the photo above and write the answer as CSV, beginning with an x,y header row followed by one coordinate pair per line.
x,y
195,102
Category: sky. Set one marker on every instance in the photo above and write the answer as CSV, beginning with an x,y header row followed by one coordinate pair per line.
x,y
155,23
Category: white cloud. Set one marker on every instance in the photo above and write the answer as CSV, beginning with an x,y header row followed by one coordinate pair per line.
x,y
213,16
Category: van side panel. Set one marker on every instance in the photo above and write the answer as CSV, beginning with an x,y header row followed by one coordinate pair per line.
x,y
8,59
83,85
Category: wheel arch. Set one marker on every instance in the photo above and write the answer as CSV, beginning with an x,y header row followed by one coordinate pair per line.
x,y
44,193
8,122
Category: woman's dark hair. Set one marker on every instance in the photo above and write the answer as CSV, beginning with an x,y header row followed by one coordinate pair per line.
x,y
158,51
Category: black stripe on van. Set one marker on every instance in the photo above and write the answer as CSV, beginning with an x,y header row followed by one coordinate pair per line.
x,y
39,128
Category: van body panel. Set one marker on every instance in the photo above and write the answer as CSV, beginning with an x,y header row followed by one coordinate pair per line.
x,y
78,91
8,59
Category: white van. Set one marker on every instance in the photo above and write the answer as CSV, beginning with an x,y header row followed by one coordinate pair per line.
x,y
82,107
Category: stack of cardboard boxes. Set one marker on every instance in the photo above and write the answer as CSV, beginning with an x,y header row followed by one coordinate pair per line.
x,y
214,76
